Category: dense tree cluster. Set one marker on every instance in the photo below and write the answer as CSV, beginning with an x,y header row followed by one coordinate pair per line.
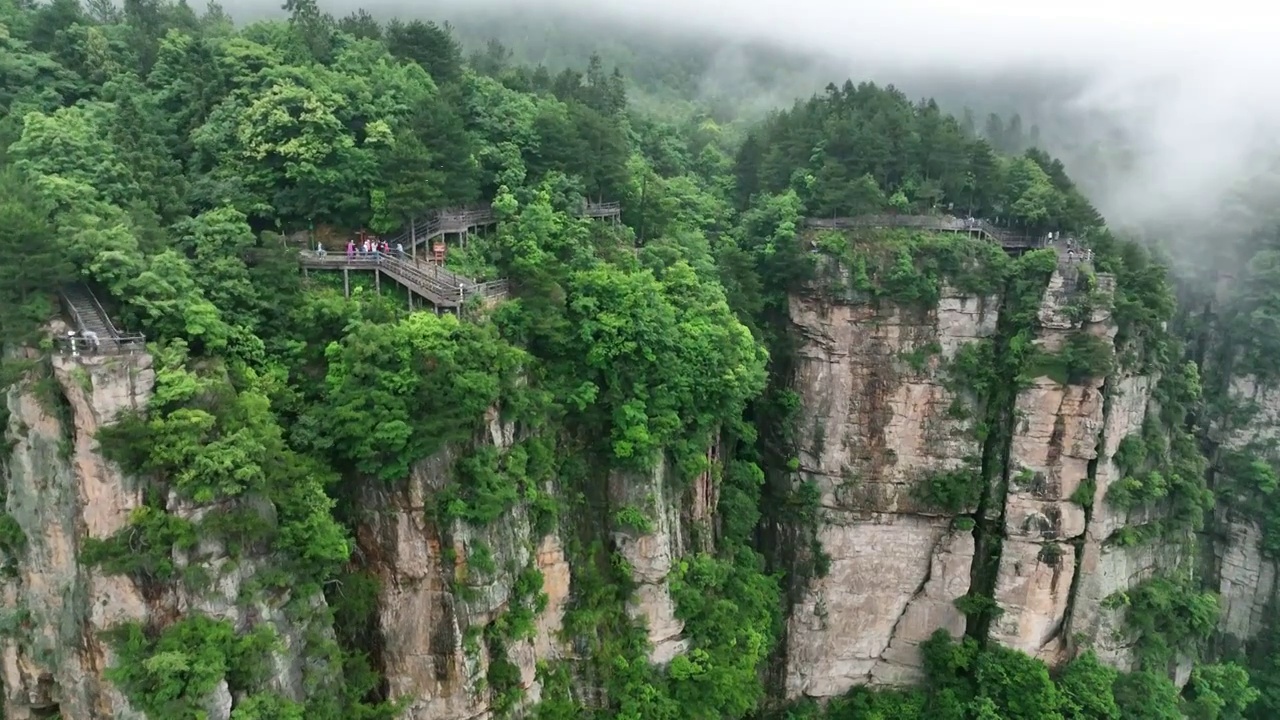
x,y
164,155
864,149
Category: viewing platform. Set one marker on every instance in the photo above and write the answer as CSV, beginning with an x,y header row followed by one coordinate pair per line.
x,y
602,211
1008,239
456,221
426,276
466,220
437,285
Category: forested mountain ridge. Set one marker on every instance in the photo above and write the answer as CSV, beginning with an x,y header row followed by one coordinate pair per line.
x,y
707,463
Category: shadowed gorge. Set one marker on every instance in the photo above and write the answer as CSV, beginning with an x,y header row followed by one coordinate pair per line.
x,y
358,365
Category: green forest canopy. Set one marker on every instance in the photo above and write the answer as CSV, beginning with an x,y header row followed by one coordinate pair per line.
x,y
158,152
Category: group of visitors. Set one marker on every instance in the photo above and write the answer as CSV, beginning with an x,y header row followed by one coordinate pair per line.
x,y
1074,253
370,246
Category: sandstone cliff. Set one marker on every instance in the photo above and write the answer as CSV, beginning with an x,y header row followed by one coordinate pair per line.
x,y
1055,438
449,591
871,426
60,493
881,415
58,490
438,597
1246,576
877,422
448,588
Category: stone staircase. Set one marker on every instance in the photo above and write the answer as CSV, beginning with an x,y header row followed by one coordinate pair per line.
x,y
88,316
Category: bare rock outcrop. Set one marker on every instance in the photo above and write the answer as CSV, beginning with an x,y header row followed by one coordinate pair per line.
x,y
59,490
1055,438
875,420
649,551
1105,567
436,598
1247,579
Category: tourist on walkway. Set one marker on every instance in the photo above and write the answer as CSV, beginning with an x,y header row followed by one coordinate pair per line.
x,y
351,249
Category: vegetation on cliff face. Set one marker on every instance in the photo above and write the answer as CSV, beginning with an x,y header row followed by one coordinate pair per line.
x,y
163,155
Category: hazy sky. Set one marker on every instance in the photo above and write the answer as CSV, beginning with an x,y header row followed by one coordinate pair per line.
x,y
1194,82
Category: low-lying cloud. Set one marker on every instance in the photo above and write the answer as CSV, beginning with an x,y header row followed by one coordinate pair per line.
x,y
1188,86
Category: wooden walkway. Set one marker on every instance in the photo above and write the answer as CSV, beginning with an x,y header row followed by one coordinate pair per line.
x,y
1007,239
602,211
462,221
441,223
433,283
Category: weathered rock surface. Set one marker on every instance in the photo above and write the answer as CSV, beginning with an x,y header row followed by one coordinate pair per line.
x,y
1247,580
435,603
878,416
1107,568
1056,433
872,426
60,490
649,553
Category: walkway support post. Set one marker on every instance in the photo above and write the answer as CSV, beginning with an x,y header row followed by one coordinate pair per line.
x,y
346,282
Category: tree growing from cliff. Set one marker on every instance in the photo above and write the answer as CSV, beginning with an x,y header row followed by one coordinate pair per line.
x,y
153,152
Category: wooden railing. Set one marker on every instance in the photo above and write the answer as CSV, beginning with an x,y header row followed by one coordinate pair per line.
x,y
602,209
432,281
88,316
441,222
440,285
467,219
936,223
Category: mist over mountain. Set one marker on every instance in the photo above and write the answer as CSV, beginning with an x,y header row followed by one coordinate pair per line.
x,y
559,362
1156,113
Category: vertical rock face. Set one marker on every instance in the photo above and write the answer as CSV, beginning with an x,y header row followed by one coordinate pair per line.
x,y
1246,578
435,601
1055,437
649,551
875,420
229,595
60,490
1107,568
873,424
